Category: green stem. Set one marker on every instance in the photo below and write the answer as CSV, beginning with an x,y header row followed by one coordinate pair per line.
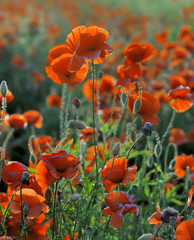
x,y
156,233
3,112
54,210
94,121
75,223
166,155
133,145
21,204
65,127
3,222
61,114
9,134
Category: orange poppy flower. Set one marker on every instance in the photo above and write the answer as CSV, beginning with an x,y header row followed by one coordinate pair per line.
x,y
4,200
157,217
9,97
139,52
181,164
12,172
185,230
42,143
149,107
87,44
191,197
177,136
54,100
119,203
106,113
36,203
177,80
120,174
58,69
87,134
181,99
34,118
16,121
162,36
18,62
67,237
54,166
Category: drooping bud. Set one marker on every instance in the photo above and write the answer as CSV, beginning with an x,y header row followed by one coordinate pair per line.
x,y
25,209
25,176
147,129
33,159
76,102
3,88
132,136
79,125
116,149
158,150
71,123
123,98
136,106
74,197
48,195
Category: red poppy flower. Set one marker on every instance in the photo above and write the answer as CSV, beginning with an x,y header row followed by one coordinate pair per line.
x,y
119,203
55,166
158,217
12,172
36,203
119,174
54,100
42,143
139,52
16,121
185,230
181,164
162,36
9,97
67,237
87,134
149,107
34,118
18,62
87,44
191,197
177,136
4,200
181,99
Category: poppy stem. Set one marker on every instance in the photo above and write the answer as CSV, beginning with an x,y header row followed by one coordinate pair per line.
x,y
21,203
94,120
133,145
75,223
65,127
54,210
170,125
166,156
156,233
61,115
3,112
9,134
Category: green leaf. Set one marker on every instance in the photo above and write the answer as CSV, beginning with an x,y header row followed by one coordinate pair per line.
x,y
143,152
178,202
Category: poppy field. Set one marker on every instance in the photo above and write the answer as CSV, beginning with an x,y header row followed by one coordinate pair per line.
x,y
96,120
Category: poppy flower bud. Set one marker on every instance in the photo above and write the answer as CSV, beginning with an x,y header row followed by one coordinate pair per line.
x,y
71,123
116,149
145,237
25,209
79,125
147,129
48,195
33,159
74,197
76,102
123,98
132,136
3,88
100,74
25,176
169,213
137,106
158,150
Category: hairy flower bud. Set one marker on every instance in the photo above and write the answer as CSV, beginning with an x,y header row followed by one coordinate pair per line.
x,y
3,88
74,197
25,176
48,195
158,150
147,129
136,106
80,125
116,149
100,74
25,209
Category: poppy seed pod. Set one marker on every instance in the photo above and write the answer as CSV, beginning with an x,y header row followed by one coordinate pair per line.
x,y
33,159
79,125
3,88
169,213
136,106
100,74
25,176
147,129
48,194
116,149
76,102
74,197
158,150
25,209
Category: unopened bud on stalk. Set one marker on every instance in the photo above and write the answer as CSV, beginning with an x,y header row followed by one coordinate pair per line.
x,y
76,102
33,159
25,209
3,88
158,150
25,176
147,129
132,136
48,195
71,123
74,197
116,149
79,125
100,74
123,98
136,106
2,164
